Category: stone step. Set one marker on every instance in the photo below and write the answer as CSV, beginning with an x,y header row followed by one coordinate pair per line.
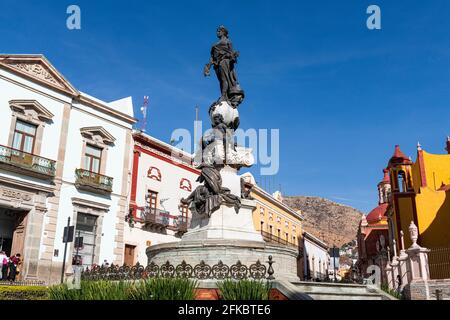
x,y
309,287
330,291
347,296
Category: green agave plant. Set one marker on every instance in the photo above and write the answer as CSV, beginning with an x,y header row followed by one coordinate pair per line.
x,y
165,289
244,290
392,292
150,289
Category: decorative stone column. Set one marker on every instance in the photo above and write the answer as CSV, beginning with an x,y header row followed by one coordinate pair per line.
x,y
418,257
403,264
389,276
389,269
419,273
383,260
33,241
395,264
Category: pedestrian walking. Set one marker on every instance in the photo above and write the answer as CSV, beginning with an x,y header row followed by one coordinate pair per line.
x,y
14,262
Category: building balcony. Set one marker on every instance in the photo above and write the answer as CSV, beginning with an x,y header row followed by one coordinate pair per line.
x,y
156,218
182,224
93,182
27,163
268,237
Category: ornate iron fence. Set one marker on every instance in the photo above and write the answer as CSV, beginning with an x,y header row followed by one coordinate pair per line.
x,y
201,271
439,263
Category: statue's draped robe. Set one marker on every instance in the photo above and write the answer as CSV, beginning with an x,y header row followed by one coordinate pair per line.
x,y
222,54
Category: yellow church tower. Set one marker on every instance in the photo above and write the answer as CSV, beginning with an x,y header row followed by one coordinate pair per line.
x,y
421,194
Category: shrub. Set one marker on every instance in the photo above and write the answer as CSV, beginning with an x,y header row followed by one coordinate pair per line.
x,y
92,290
23,293
244,290
150,289
392,292
164,289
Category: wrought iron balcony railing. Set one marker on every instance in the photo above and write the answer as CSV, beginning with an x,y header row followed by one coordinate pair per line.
x,y
27,163
93,182
268,237
182,224
158,218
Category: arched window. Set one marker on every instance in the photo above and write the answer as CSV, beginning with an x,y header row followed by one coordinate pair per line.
x,y
154,173
185,184
401,181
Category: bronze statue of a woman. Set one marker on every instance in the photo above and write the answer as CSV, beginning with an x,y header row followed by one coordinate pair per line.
x,y
224,58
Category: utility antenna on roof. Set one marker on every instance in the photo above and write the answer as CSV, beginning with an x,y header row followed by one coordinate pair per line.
x,y
197,131
144,113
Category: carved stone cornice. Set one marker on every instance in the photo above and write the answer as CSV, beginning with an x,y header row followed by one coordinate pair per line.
x,y
13,183
31,109
16,198
36,70
98,134
96,206
39,69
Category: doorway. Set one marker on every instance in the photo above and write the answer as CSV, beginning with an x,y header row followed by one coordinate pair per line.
x,y
85,232
129,255
13,224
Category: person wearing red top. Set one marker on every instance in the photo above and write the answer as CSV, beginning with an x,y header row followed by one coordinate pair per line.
x,y
14,261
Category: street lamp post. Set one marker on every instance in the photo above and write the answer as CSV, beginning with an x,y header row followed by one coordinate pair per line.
x,y
65,250
334,262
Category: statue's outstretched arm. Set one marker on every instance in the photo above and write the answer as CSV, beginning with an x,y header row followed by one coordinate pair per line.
x,y
206,70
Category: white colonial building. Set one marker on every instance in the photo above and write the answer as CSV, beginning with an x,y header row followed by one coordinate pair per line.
x,y
316,258
162,175
63,154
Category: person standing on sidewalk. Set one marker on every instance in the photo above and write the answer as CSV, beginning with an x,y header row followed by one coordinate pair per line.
x,y
3,265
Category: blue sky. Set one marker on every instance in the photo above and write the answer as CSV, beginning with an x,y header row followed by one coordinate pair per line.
x,y
341,95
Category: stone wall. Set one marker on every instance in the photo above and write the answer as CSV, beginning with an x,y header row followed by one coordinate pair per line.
x,y
418,290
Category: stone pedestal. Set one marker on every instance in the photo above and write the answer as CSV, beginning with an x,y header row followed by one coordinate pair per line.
x,y
390,276
394,265
418,263
225,224
403,269
231,180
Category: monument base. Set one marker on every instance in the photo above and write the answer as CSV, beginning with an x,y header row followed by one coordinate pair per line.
x,y
229,252
229,237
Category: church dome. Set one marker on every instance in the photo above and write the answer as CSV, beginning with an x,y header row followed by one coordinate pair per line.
x,y
377,214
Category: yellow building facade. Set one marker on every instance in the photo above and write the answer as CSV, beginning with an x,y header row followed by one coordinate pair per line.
x,y
276,221
421,194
